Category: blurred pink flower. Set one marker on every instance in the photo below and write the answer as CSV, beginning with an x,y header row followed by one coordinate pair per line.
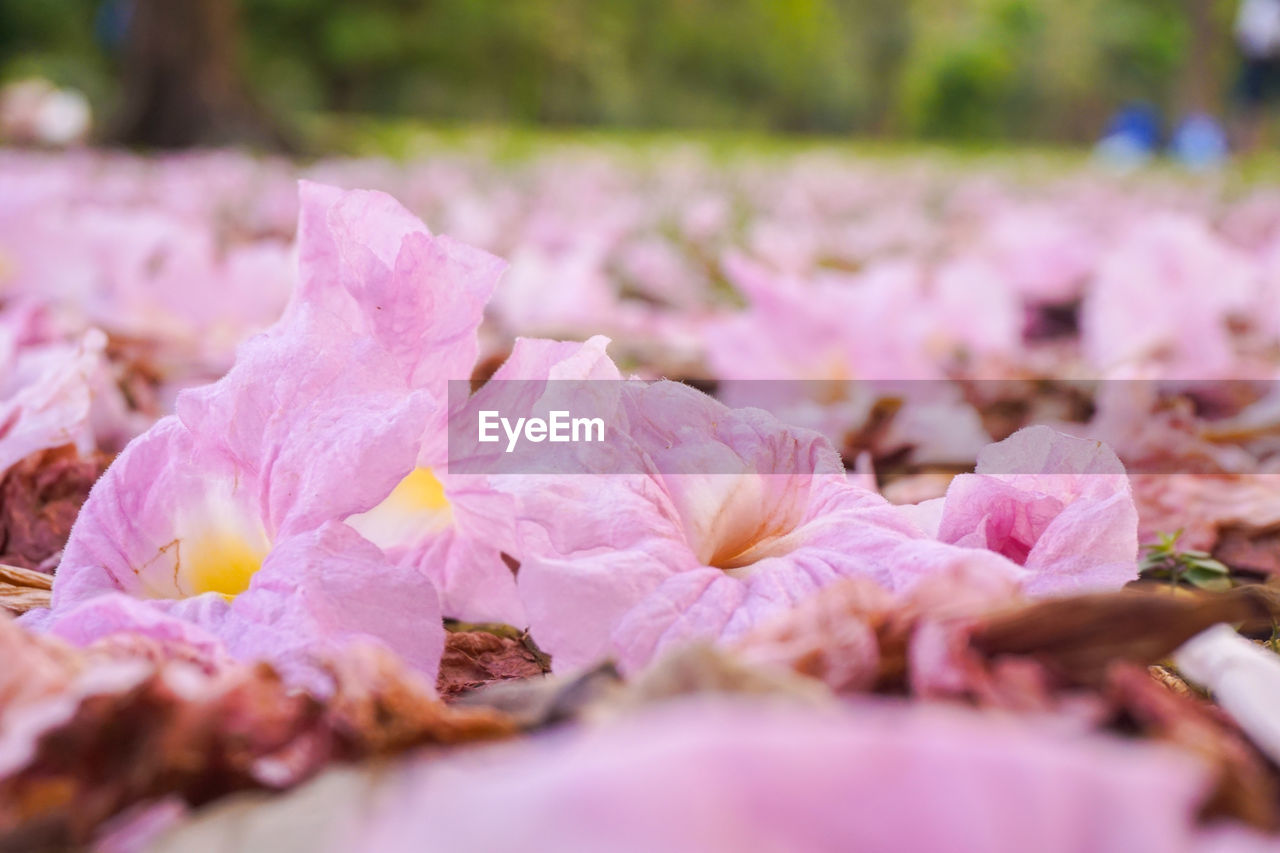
x,y
831,327
1162,297
705,774
55,392
1045,254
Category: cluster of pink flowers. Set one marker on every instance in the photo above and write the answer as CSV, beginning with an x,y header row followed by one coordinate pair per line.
x,y
286,489
306,496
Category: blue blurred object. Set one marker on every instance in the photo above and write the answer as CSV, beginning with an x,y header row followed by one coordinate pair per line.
x,y
1199,142
111,23
1131,137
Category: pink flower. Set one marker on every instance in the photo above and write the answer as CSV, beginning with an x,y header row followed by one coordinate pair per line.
x,y
1044,254
152,274
54,393
456,527
230,515
703,774
833,327
1163,296
452,529
730,518
1060,506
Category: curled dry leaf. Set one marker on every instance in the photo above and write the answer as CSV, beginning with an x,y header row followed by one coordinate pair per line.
x,y
855,637
90,734
1081,636
475,658
39,500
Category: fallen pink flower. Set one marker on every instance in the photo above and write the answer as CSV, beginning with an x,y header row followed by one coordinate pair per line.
x,y
713,775
456,527
1148,305
731,519
1060,506
738,518
50,392
230,514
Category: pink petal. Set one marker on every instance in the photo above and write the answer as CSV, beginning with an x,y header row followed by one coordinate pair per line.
x,y
867,776
325,589
1060,506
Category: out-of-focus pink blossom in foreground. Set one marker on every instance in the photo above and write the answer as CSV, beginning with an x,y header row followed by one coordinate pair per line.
x,y
712,775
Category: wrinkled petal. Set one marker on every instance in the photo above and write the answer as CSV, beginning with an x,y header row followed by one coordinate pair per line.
x,y
165,514
739,519
329,588
115,613
47,396
1060,506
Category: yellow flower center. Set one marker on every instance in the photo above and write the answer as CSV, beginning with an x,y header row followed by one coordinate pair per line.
x,y
221,562
421,491
416,506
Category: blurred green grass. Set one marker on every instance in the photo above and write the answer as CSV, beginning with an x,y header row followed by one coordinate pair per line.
x,y
411,139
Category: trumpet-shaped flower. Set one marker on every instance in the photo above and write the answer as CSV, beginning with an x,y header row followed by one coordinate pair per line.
x,y
730,519
455,527
733,518
1059,506
230,514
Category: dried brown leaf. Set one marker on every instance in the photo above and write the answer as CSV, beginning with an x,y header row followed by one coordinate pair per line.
x,y
124,726
1250,549
473,659
40,498
1079,637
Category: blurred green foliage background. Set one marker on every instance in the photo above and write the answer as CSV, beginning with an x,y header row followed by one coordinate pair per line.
x,y
952,69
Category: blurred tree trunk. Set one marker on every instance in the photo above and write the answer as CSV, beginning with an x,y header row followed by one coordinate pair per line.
x,y
887,40
1199,91
181,82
